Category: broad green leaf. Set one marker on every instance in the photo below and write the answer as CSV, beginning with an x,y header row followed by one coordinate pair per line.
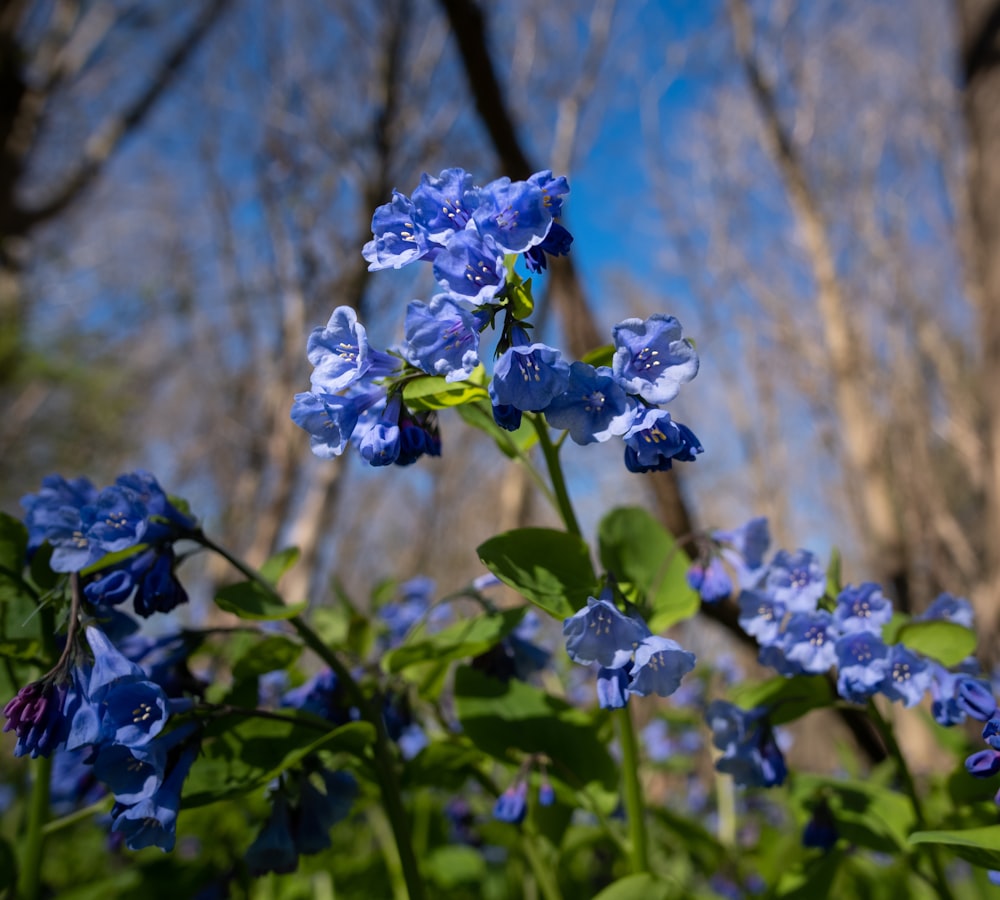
x,y
551,568
469,637
812,880
979,846
500,716
273,653
511,443
520,299
947,642
443,765
867,814
250,600
642,555
433,392
453,865
786,698
243,753
281,562
642,886
22,649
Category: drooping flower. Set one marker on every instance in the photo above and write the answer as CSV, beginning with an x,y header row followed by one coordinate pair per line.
x,y
528,376
470,267
600,633
512,804
908,678
612,686
36,716
750,752
398,237
341,355
442,338
592,407
862,608
949,608
710,579
652,359
659,666
761,616
330,419
862,665
796,580
653,441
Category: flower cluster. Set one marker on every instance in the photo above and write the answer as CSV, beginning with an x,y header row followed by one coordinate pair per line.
x,y
473,236
512,805
83,525
305,804
111,709
750,752
632,659
784,605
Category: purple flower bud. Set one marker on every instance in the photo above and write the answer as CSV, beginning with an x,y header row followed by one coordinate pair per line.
x,y
984,763
976,699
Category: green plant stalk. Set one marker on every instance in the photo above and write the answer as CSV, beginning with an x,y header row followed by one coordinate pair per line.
x,y
547,884
551,453
634,810
30,872
909,785
385,764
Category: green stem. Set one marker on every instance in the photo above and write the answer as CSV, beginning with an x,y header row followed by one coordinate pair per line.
x,y
34,841
909,785
551,453
544,878
385,763
634,811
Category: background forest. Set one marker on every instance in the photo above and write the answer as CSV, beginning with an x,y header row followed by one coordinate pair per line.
x,y
812,188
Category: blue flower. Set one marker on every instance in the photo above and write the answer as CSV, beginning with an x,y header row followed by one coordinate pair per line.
x,y
862,665
58,502
750,753
744,548
983,763
379,443
950,609
652,359
445,204
153,822
821,829
809,640
557,243
506,415
600,633
710,580
529,376
398,237
612,686
330,419
273,850
862,608
553,190
653,441
796,580
975,698
592,408
512,804
659,666
341,355
36,716
470,267
515,214
909,677
315,812
761,616
442,338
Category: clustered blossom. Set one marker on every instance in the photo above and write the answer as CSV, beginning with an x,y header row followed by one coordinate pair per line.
x,y
783,604
631,659
472,237
83,525
750,752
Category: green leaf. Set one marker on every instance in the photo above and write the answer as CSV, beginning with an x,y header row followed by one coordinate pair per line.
x,y
642,886
442,765
247,752
511,444
833,573
979,846
433,392
786,698
250,600
646,561
812,880
551,568
13,544
269,655
600,356
23,650
502,716
867,814
469,637
947,642
453,865
280,563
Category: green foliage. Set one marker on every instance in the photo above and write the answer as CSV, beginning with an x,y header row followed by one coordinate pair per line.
x,y
250,600
434,392
980,846
788,699
647,565
947,642
550,568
